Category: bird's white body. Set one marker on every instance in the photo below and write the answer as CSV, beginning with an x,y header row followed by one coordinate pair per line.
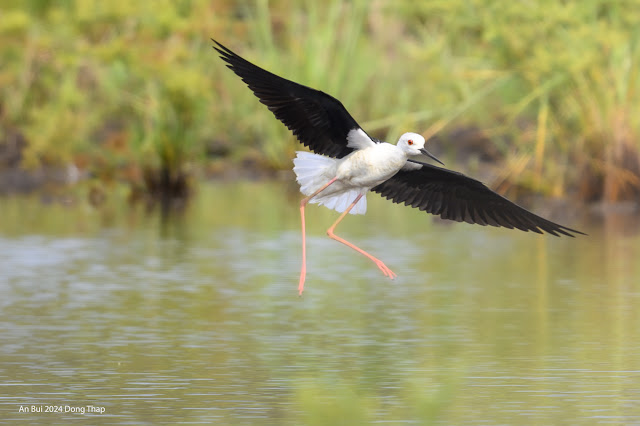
x,y
358,172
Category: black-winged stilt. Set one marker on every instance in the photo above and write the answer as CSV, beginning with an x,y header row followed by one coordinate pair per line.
x,y
348,163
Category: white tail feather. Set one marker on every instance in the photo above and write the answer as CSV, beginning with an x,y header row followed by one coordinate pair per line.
x,y
313,170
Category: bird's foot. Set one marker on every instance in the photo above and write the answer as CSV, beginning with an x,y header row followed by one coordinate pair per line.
x,y
385,270
301,284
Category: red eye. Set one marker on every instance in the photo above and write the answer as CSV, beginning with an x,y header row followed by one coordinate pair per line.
x,y
410,141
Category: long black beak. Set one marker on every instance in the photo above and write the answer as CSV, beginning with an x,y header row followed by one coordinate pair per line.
x,y
430,155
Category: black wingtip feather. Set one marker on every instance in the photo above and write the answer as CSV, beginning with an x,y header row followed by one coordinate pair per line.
x,y
318,120
454,196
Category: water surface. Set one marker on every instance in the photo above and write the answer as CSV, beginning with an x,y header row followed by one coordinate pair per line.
x,y
196,318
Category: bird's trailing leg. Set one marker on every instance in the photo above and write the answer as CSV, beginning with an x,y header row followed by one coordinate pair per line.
x,y
385,270
303,204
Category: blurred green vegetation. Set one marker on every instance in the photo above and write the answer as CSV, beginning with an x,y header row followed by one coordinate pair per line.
x,y
133,91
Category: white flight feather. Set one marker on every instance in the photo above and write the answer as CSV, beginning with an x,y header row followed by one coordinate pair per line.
x,y
313,170
358,139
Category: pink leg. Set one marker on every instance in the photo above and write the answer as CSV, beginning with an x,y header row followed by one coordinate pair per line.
x,y
386,271
303,203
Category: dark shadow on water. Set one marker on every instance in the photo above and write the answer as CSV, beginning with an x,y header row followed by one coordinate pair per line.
x,y
166,192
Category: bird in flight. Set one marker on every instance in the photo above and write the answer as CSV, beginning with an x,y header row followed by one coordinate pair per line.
x,y
348,163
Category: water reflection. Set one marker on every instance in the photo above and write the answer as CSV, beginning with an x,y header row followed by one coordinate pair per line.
x,y
202,322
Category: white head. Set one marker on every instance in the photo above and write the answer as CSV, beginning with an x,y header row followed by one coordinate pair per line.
x,y
413,144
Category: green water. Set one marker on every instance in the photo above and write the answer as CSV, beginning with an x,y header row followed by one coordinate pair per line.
x,y
196,318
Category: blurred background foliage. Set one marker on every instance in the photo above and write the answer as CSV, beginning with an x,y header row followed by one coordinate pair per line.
x,y
544,95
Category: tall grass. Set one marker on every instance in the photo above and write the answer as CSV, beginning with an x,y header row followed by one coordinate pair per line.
x,y
574,73
118,88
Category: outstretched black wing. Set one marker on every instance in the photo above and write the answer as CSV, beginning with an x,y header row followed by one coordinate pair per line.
x,y
318,120
454,196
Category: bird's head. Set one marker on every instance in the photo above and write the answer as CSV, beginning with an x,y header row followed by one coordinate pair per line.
x,y
413,144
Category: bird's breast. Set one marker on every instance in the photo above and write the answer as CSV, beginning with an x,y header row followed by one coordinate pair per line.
x,y
371,166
